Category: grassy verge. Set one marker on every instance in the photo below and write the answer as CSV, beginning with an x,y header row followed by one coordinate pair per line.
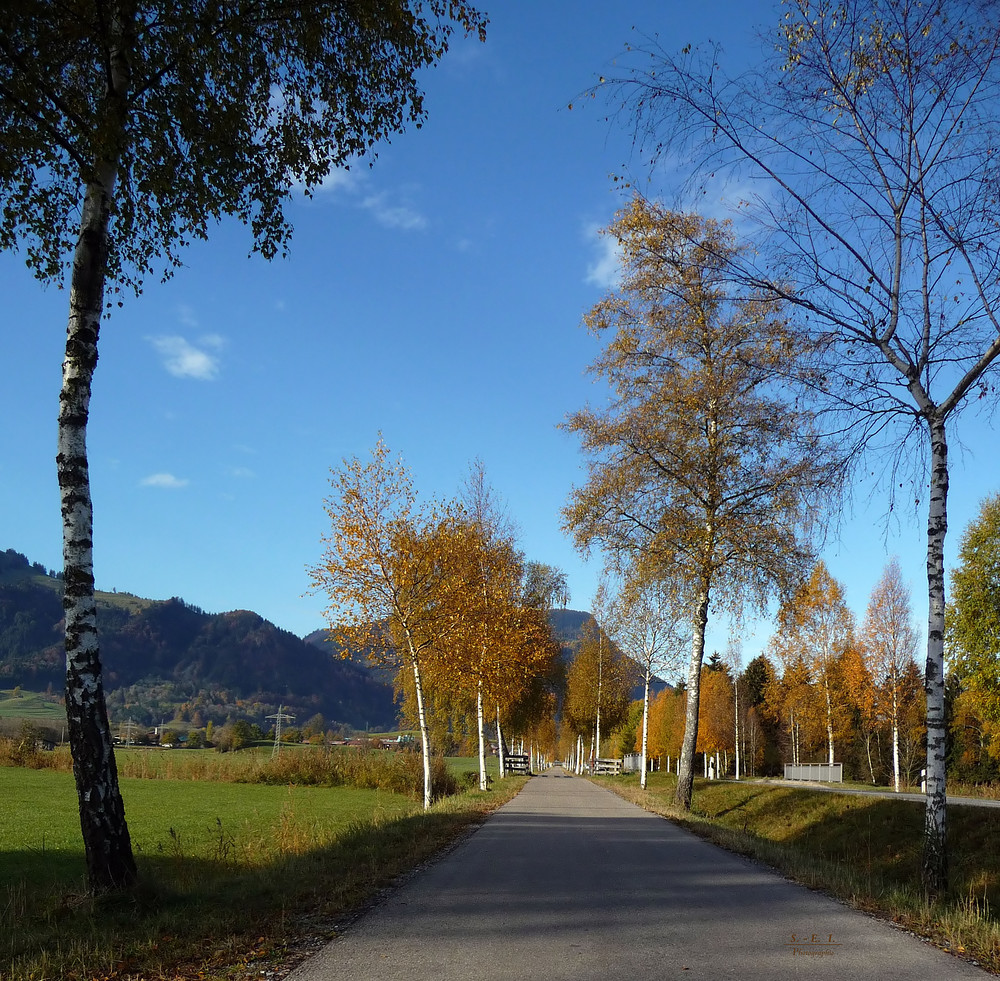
x,y
236,878
865,850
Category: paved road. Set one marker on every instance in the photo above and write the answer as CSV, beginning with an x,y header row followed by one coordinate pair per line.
x,y
567,882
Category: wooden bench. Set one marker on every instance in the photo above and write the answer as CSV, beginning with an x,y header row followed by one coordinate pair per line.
x,y
517,764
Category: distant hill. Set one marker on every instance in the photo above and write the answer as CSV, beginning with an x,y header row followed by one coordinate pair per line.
x,y
167,657
567,625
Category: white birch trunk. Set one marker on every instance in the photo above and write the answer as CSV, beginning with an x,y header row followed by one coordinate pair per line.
x,y
829,718
501,749
895,757
645,729
481,724
425,735
107,844
600,674
935,861
685,768
736,707
895,735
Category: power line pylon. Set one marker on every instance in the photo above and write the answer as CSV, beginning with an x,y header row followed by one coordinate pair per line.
x,y
279,718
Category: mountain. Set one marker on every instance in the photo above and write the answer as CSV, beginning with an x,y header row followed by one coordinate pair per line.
x,y
163,658
168,659
567,625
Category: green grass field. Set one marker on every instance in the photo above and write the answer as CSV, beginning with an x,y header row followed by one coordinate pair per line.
x,y
34,706
470,764
198,820
233,876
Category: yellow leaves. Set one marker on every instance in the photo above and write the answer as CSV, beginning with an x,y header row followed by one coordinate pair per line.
x,y
429,588
715,712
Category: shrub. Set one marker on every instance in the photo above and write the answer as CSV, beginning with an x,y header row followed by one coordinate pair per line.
x,y
368,769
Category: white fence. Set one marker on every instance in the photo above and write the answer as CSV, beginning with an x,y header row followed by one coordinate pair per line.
x,y
822,772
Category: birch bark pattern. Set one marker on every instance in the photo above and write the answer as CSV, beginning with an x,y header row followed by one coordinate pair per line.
x,y
425,735
935,865
736,721
107,845
481,726
501,749
685,766
645,729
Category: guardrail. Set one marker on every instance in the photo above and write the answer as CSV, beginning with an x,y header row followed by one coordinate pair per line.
x,y
820,772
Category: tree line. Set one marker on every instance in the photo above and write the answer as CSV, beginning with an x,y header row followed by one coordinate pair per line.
x,y
830,688
745,380
439,592
855,321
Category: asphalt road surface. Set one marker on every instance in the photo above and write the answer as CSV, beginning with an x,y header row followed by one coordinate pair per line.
x,y
568,881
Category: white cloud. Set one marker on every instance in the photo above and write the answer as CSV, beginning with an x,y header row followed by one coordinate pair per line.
x,y
340,179
243,473
185,360
187,316
606,269
166,480
393,215
389,208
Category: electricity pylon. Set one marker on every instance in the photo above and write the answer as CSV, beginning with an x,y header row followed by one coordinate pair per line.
x,y
279,718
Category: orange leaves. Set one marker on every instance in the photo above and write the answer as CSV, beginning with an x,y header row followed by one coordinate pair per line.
x,y
381,562
701,461
434,588
715,712
599,684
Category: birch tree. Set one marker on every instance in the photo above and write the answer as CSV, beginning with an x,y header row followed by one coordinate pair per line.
x,y
815,628
129,127
545,586
647,624
700,468
383,568
485,587
666,724
598,686
890,641
870,138
715,729
501,650
791,701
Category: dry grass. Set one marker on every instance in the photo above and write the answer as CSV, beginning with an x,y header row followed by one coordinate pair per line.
x,y
236,880
865,850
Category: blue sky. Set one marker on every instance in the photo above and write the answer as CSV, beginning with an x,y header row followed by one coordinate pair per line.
x,y
436,297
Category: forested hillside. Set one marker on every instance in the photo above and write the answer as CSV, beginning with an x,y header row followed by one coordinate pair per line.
x,y
167,659
166,656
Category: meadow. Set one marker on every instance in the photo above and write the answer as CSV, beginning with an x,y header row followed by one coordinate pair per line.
x,y
234,876
32,706
864,850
